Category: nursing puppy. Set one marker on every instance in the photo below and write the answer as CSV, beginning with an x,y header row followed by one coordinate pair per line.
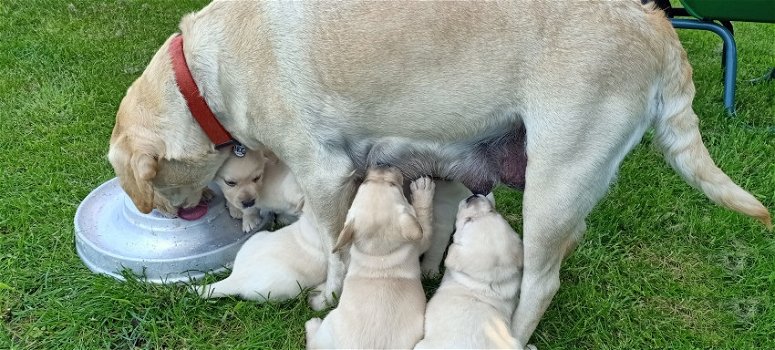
x,y
274,265
382,302
467,91
472,307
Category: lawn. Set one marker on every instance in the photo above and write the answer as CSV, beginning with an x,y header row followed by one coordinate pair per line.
x,y
660,266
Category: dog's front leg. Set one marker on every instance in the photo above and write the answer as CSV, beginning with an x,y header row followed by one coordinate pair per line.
x,y
329,189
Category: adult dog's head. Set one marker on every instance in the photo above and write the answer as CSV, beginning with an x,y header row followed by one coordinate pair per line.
x,y
160,154
484,245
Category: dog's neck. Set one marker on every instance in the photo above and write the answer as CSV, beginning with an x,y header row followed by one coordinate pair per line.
x,y
403,262
498,294
244,104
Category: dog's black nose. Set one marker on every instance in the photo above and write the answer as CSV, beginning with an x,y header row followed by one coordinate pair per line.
x,y
473,196
248,204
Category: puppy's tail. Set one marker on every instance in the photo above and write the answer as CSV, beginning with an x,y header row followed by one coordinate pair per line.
x,y
678,135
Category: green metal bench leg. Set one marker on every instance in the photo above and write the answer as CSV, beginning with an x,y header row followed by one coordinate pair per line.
x,y
730,56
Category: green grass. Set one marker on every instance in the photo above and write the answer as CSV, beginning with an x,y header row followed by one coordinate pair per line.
x,y
660,265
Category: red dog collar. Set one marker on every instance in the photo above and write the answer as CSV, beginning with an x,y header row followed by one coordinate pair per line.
x,y
196,103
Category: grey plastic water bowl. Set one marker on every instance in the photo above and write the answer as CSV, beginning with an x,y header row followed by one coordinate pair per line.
x,y
111,235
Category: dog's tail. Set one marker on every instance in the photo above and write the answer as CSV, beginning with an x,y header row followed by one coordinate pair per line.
x,y
678,135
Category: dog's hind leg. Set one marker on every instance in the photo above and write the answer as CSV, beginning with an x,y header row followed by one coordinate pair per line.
x,y
568,172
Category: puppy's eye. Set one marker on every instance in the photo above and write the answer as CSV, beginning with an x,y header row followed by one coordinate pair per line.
x,y
230,183
257,178
467,220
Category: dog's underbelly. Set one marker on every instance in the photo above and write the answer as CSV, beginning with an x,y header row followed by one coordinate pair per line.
x,y
479,163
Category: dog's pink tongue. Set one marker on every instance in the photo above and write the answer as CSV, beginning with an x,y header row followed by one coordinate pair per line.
x,y
193,213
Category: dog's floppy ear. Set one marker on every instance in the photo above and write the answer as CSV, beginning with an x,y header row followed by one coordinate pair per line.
x,y
135,169
346,236
144,167
410,227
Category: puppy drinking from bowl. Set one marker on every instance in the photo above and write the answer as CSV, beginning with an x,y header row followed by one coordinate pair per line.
x,y
473,306
382,303
258,181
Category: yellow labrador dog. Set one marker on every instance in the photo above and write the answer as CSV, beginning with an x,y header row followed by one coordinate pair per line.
x,y
548,96
382,303
472,307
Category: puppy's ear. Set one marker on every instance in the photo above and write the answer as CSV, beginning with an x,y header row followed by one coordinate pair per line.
x,y
491,197
410,227
346,236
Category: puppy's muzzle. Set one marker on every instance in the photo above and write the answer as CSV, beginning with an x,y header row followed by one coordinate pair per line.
x,y
248,203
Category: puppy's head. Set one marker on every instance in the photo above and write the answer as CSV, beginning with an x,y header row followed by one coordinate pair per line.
x,y
241,179
380,216
162,158
484,244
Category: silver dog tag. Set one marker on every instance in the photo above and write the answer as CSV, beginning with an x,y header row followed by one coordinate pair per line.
x,y
239,150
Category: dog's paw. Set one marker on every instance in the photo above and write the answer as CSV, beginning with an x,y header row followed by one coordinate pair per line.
x,y
422,190
318,300
429,270
531,347
234,212
249,223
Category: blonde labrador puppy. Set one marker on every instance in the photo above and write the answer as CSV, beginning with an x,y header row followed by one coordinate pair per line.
x,y
258,181
382,303
548,96
472,307
241,180
274,265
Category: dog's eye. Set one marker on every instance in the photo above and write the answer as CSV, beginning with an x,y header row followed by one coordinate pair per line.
x,y
257,178
230,183
468,220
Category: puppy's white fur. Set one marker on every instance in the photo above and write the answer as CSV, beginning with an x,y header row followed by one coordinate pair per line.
x,y
274,265
382,301
472,308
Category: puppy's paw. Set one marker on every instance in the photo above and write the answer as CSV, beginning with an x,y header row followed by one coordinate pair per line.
x,y
318,300
234,212
422,191
249,223
531,347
